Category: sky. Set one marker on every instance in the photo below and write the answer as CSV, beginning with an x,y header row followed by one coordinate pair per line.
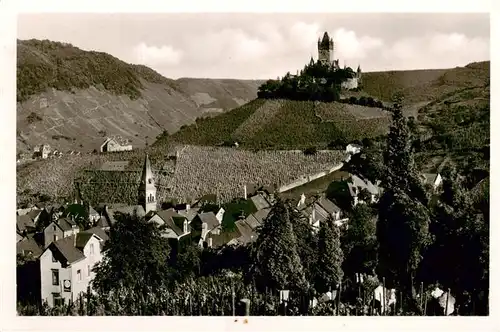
x,y
266,45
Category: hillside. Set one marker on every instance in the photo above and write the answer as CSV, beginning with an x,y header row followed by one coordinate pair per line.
x,y
425,85
285,124
71,99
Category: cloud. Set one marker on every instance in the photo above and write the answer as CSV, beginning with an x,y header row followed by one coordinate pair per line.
x,y
349,46
438,50
157,56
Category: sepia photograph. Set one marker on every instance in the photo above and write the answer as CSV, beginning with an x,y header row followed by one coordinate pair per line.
x,y
252,164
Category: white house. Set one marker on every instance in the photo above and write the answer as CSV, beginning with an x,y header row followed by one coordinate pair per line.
x,y
356,184
353,149
112,145
42,151
435,180
66,267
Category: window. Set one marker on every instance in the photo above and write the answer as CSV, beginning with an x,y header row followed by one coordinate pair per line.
x,y
54,228
89,270
57,299
91,248
55,238
55,277
79,275
54,260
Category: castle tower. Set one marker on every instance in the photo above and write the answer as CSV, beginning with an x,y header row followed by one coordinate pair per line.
x,y
325,49
358,74
147,189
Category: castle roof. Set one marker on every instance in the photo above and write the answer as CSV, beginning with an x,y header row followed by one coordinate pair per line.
x,y
325,41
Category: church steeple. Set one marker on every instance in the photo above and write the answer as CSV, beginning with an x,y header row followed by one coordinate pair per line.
x,y
147,189
325,49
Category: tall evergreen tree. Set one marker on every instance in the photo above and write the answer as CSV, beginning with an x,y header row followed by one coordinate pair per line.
x,y
403,227
276,263
306,242
330,257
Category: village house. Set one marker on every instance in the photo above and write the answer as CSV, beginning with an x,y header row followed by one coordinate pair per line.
x,y
188,212
320,209
172,224
206,222
59,229
42,151
28,246
358,186
433,180
112,145
66,267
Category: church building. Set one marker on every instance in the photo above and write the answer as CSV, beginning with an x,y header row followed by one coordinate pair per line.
x,y
147,188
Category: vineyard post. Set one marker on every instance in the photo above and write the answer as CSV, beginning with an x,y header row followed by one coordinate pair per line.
x,y
384,295
190,305
233,297
421,293
447,298
425,305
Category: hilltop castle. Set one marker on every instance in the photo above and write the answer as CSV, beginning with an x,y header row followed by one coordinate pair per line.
x,y
326,49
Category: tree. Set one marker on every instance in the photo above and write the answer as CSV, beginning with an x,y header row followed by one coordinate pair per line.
x,y
403,227
135,259
306,242
359,242
276,263
330,257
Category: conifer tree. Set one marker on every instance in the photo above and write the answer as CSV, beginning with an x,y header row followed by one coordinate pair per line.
x,y
276,263
330,257
403,227
306,242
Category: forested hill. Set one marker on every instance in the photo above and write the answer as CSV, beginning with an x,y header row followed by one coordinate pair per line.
x,y
71,98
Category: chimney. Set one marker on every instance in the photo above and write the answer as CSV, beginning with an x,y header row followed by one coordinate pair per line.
x,y
188,207
209,242
185,227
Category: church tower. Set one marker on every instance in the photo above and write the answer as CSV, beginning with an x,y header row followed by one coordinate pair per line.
x,y
147,189
325,49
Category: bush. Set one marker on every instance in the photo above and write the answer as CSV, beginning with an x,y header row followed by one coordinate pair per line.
x,y
310,151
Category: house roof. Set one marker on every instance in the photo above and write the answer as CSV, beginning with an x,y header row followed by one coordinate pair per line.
x,y
356,182
34,213
66,246
102,222
430,177
99,232
210,219
218,240
260,202
92,211
247,233
189,214
252,221
328,205
24,223
19,237
172,220
28,244
66,224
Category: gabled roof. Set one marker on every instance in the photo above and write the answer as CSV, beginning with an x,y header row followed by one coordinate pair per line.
x,y
24,223
430,177
82,238
328,205
173,220
28,244
92,211
247,233
66,224
252,221
189,214
210,219
356,182
219,240
66,247
34,213
260,202
99,232
102,222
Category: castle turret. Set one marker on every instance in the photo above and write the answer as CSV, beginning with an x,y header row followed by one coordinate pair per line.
x,y
147,189
325,49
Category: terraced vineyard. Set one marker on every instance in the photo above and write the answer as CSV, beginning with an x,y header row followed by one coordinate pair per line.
x,y
224,171
284,124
